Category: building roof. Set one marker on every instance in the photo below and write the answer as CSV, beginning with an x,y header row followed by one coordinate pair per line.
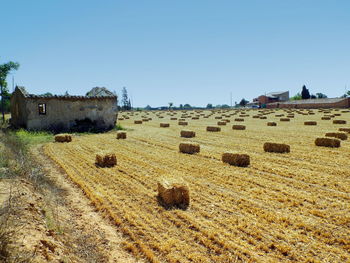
x,y
95,93
276,93
99,92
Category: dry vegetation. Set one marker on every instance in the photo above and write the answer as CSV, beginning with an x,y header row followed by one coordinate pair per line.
x,y
292,207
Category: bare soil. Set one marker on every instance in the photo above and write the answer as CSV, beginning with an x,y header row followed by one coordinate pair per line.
x,y
55,223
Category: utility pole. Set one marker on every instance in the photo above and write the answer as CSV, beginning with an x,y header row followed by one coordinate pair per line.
x,y
231,98
132,102
13,83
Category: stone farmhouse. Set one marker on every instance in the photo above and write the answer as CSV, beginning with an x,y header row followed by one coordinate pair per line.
x,y
97,111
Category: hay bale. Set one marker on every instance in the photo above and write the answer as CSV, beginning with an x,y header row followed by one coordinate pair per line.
x,y
310,122
63,138
173,193
164,125
339,135
187,134
173,119
238,127
276,147
218,117
189,147
284,119
183,123
271,123
137,121
325,118
241,160
339,121
106,159
345,130
239,119
213,129
121,135
222,123
262,117
327,142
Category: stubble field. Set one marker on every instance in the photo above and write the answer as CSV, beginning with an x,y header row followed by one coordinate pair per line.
x,y
292,207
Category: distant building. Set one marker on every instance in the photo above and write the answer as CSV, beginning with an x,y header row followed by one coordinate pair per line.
x,y
97,111
271,97
313,103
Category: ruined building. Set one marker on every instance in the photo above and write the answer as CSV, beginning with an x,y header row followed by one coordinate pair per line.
x,y
97,111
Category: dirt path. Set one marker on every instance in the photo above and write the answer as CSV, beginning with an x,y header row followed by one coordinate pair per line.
x,y
83,233
48,219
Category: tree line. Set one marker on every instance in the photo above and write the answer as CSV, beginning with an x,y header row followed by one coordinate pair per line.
x,y
6,69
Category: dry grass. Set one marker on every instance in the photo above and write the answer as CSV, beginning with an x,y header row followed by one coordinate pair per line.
x,y
236,159
327,142
105,159
173,193
284,119
221,123
63,138
121,135
312,123
183,123
276,147
281,208
189,147
187,134
238,127
213,129
339,121
344,130
338,135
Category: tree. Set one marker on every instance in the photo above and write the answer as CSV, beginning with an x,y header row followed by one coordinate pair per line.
x,y
148,107
313,96
225,106
47,94
321,96
5,69
296,96
129,105
305,94
181,106
125,99
243,102
209,106
170,104
187,106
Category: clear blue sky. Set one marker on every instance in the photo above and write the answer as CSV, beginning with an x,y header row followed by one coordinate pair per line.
x,y
194,52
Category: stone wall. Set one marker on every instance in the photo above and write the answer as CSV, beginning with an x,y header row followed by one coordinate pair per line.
x,y
72,114
344,103
18,110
